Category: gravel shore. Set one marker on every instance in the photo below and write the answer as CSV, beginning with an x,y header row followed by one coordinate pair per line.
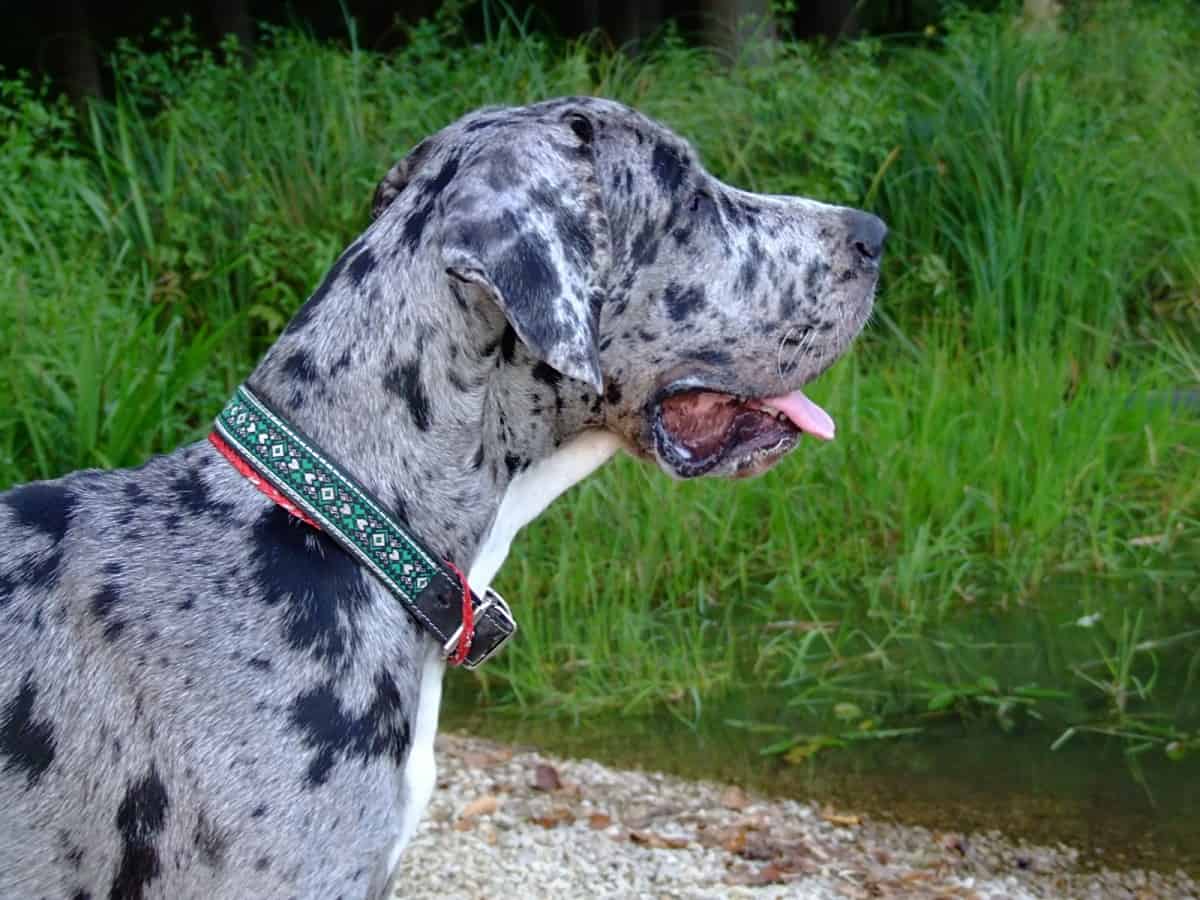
x,y
509,822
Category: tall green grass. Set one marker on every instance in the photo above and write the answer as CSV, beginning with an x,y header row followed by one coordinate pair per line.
x,y
1009,522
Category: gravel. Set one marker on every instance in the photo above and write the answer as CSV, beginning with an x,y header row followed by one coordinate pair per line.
x,y
509,822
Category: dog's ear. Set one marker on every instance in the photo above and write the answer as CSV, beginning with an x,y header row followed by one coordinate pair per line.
x,y
523,219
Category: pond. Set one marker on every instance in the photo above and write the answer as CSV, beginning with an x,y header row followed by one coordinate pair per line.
x,y
1120,813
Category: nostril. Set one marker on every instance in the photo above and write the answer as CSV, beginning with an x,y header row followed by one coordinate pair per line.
x,y
866,236
867,252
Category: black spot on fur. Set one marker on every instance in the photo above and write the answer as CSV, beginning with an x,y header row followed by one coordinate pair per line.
x,y
414,228
140,819
319,586
508,343
262,864
71,851
644,249
46,507
361,266
713,356
613,393
547,374
812,277
747,277
39,570
789,303
681,302
104,605
26,743
343,362
444,176
405,382
572,230
335,734
191,494
667,167
582,127
258,662
512,462
81,894
210,842
300,366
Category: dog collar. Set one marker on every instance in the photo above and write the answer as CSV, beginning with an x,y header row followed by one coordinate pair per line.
x,y
286,465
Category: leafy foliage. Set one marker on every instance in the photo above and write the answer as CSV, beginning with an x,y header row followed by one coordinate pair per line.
x,y
1015,430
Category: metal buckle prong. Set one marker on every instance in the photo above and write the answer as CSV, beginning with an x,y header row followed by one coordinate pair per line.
x,y
491,599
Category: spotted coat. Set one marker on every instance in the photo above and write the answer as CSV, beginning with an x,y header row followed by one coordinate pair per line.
x,y
201,697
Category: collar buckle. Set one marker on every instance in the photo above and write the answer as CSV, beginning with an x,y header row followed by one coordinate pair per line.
x,y
494,625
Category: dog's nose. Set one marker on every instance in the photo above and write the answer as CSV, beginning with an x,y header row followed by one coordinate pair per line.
x,y
865,234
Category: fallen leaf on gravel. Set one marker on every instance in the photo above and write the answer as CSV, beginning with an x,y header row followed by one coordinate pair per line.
x,y
486,759
657,841
760,846
844,820
734,798
735,843
480,806
560,815
955,842
768,874
599,821
545,778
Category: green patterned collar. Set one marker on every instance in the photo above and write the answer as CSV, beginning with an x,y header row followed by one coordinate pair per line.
x,y
286,465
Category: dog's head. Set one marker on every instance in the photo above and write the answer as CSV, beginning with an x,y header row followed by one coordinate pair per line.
x,y
694,312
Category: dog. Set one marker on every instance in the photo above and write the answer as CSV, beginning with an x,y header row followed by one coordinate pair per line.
x,y
202,695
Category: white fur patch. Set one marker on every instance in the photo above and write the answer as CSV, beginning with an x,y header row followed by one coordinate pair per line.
x,y
527,497
420,770
532,491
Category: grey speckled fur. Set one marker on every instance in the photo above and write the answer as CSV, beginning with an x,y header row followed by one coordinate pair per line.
x,y
200,697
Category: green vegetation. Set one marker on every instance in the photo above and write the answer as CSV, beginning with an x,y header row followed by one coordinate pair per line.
x,y
1008,525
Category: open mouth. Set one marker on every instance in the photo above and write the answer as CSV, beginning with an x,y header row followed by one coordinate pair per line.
x,y
699,431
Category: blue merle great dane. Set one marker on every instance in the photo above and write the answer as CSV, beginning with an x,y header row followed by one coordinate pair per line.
x,y
203,696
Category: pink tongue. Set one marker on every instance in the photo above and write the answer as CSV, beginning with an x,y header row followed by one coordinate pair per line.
x,y
805,414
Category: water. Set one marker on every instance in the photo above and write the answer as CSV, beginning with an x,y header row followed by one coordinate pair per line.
x,y
1120,811
1086,794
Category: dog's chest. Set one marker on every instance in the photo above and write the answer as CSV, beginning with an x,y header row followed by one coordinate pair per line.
x,y
527,497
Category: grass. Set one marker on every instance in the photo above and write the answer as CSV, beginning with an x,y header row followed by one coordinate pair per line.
x,y
1008,525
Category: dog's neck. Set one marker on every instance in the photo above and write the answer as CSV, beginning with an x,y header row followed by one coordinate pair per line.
x,y
427,399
